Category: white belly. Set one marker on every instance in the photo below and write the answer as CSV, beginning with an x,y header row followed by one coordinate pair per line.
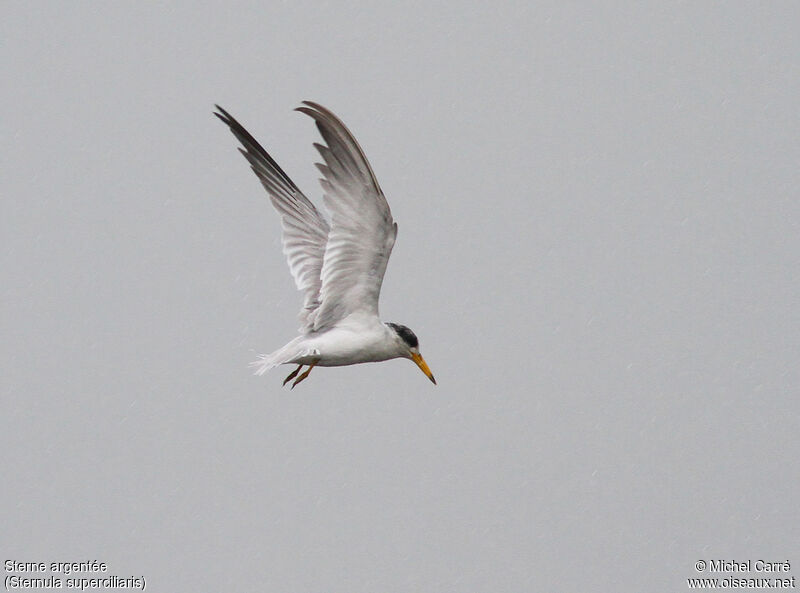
x,y
345,345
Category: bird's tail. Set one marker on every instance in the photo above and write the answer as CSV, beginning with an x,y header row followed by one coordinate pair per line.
x,y
264,363
283,355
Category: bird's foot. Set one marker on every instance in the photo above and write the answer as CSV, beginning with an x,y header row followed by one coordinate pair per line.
x,y
304,375
293,374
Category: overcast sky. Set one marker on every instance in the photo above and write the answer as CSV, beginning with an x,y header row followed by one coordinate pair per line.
x,y
598,248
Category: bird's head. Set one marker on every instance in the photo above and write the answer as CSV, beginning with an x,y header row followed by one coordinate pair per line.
x,y
409,347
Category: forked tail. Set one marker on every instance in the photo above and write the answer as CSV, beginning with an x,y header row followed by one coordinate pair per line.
x,y
288,353
264,363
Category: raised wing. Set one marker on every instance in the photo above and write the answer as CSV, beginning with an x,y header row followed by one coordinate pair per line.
x,y
305,232
362,231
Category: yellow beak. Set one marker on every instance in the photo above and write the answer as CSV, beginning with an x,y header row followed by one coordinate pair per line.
x,y
423,366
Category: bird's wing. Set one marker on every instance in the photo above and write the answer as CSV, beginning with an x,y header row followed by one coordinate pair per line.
x,y
362,230
305,232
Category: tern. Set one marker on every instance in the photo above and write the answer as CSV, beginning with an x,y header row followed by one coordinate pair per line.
x,y
339,267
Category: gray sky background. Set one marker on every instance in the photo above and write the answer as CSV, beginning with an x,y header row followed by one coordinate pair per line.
x,y
598,249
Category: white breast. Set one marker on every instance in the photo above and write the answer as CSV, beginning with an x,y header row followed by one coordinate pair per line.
x,y
352,341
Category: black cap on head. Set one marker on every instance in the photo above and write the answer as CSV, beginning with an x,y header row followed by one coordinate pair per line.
x,y
405,334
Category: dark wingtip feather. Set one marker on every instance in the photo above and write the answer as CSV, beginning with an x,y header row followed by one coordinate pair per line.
x,y
307,111
223,115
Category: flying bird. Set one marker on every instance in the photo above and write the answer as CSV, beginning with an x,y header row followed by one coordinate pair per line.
x,y
338,267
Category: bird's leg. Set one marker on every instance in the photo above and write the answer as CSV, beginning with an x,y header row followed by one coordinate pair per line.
x,y
293,374
304,375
